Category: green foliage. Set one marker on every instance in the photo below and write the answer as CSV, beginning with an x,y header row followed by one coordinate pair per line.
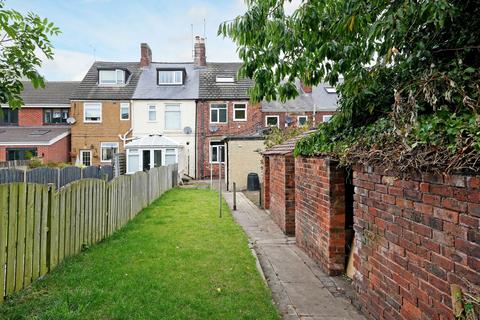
x,y
21,40
279,136
401,62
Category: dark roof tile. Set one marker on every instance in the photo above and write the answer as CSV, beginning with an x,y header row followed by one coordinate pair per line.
x,y
54,93
210,89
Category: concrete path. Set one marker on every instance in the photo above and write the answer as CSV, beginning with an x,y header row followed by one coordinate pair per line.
x,y
299,287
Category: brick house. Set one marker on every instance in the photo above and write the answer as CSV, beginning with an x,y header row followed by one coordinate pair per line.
x,y
101,107
40,127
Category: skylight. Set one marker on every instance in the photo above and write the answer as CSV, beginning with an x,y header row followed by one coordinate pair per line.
x,y
39,132
331,90
225,79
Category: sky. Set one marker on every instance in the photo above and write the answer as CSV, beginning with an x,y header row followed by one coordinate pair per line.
x,y
112,30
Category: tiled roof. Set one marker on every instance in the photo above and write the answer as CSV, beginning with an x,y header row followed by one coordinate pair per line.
x,y
90,90
147,87
44,135
211,89
320,98
54,93
287,147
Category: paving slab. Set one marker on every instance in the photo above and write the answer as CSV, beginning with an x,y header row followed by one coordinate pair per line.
x,y
300,289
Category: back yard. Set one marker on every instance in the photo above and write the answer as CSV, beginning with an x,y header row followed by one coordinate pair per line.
x,y
176,260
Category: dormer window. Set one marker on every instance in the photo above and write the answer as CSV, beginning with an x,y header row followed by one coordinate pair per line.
x,y
111,77
170,77
225,79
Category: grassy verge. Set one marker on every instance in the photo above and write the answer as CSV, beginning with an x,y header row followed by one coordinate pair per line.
x,y
176,260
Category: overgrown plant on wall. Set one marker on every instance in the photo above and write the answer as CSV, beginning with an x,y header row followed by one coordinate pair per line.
x,y
410,93
279,136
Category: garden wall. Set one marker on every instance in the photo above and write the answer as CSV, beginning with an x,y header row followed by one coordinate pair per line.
x,y
414,239
320,211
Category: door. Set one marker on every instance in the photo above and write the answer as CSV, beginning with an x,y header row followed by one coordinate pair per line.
x,y
86,157
157,158
146,160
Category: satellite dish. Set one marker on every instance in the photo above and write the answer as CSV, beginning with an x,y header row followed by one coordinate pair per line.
x,y
288,120
71,120
187,130
213,128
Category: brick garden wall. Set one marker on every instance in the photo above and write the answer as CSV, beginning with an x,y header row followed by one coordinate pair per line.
x,y
414,238
320,212
281,191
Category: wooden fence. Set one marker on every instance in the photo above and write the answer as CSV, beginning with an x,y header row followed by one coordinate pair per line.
x,y
40,226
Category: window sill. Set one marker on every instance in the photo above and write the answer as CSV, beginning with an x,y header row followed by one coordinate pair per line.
x,y
92,121
240,120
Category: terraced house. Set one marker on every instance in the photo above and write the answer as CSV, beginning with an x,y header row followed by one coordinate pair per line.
x,y
101,112
39,128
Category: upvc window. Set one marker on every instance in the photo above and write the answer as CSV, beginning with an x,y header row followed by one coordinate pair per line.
x,y
172,117
327,118
86,157
302,120
133,160
218,113
170,156
54,116
92,112
124,111
272,121
152,113
217,152
108,149
239,112
170,77
111,77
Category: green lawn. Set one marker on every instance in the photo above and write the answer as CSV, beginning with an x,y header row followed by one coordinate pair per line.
x,y
176,260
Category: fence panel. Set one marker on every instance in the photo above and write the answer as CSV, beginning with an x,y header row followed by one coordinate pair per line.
x,y
91,173
69,174
12,175
106,171
43,175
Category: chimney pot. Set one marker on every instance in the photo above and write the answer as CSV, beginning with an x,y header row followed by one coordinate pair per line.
x,y
145,55
305,88
200,59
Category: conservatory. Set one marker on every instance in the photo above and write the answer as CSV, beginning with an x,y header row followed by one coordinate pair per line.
x,y
152,151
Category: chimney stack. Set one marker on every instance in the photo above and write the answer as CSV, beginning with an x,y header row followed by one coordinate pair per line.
x,y
305,88
145,55
200,60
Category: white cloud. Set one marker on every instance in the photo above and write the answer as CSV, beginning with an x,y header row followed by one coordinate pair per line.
x,y
67,65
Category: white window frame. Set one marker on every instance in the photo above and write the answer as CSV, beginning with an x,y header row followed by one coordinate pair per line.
x,y
170,83
139,153
122,105
272,116
214,106
210,151
117,82
102,144
148,112
165,115
92,104
225,79
81,157
327,118
235,104
298,120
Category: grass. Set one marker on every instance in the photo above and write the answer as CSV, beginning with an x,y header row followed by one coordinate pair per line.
x,y
175,260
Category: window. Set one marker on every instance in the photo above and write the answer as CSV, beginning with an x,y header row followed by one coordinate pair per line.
x,y
272,121
55,116
331,90
172,117
21,154
8,117
302,120
86,157
111,77
170,77
239,112
108,149
218,113
92,112
225,79
170,156
124,111
133,160
217,152
327,118
152,113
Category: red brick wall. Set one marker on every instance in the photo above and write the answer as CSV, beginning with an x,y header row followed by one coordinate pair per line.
x,y
253,124
414,238
320,212
280,183
266,183
30,117
57,152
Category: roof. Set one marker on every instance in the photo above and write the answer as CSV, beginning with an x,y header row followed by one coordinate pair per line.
x,y
211,90
153,141
147,87
34,136
320,98
89,89
287,147
259,135
54,93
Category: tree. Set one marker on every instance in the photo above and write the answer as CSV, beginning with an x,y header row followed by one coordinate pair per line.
x,y
21,39
409,67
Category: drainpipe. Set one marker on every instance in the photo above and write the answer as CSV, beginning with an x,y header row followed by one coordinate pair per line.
x,y
124,137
